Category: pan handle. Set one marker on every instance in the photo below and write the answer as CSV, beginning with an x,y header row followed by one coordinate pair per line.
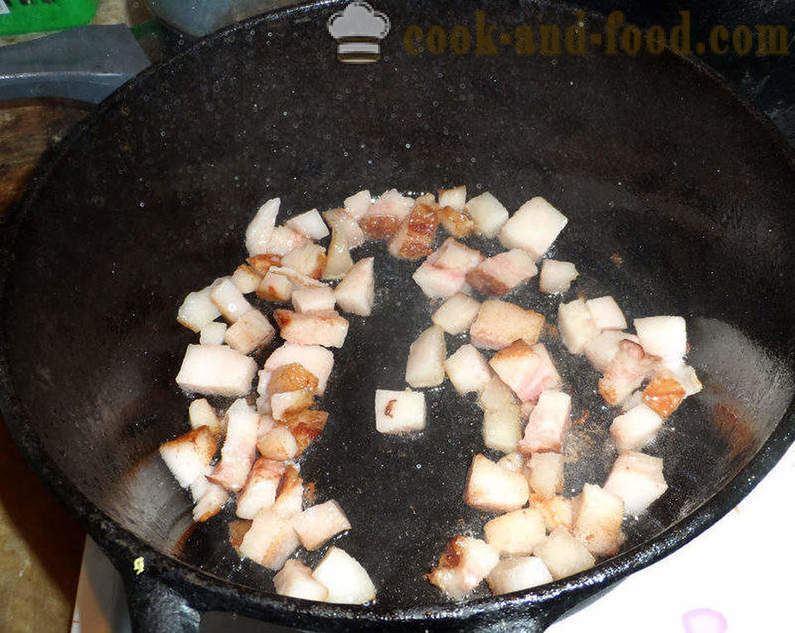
x,y
157,608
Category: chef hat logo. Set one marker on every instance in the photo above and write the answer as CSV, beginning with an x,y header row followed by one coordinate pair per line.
x,y
358,30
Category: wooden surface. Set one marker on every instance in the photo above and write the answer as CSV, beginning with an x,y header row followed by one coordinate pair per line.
x,y
40,544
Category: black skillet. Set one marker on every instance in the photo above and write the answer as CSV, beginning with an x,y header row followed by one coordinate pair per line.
x,y
679,200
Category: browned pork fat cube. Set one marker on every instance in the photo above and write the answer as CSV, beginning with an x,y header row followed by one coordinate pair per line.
x,y
414,238
545,474
306,426
318,524
463,565
308,259
598,515
346,225
502,273
516,532
443,273
664,393
188,456
278,444
384,215
548,423
240,445
270,540
296,581
250,331
455,222
517,573
454,198
356,292
246,279
261,264
557,511
291,377
500,323
275,287
625,372
316,359
563,554
260,489
290,495
216,369
290,403
526,369
210,503
493,488
603,348
317,328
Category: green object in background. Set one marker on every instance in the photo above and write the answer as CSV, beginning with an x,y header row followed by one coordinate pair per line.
x,y
35,16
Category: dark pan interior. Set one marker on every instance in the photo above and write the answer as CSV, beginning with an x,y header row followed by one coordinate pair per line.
x,y
649,158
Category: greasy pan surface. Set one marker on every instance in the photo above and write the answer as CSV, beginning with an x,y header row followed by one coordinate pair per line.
x,y
650,159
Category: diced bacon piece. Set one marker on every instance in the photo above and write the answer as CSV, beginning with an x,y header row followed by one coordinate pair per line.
x,y
384,215
516,532
488,213
270,540
347,581
563,554
313,299
467,369
246,279
548,423
534,227
306,426
356,292
275,287
557,511
453,255
249,332
606,313
663,336
261,264
316,359
216,369
357,204
500,323
288,403
638,479
188,456
346,226
545,474
687,377
295,580
318,524
636,428
308,259
664,393
290,377
598,515
278,444
425,364
259,230
502,273
316,328
210,503
603,348
265,424
229,300
212,333
283,240
518,573
625,373
463,565
496,395
201,413
502,428
576,325
456,315
512,461
455,197
260,489
414,238
493,488
197,310
556,276
526,369
290,496
338,259
455,221
309,224
399,411
438,283
240,447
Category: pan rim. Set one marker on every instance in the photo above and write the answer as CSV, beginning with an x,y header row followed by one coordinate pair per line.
x,y
219,594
